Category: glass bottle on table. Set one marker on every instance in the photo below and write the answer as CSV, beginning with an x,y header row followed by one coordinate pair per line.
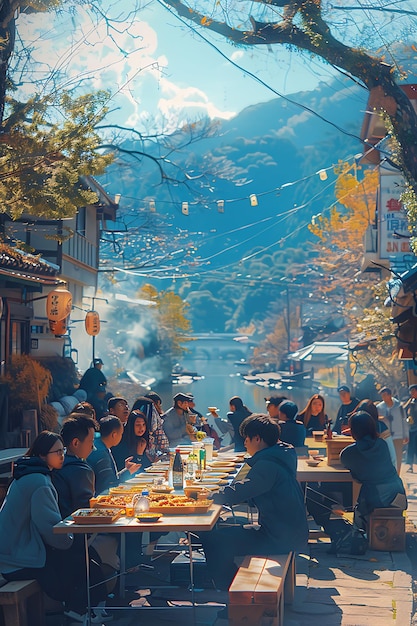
x,y
328,429
142,502
177,471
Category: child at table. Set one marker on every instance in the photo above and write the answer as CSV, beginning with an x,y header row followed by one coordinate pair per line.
x,y
271,484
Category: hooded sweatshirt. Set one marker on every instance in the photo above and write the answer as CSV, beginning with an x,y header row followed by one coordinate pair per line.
x,y
369,462
272,485
74,483
27,517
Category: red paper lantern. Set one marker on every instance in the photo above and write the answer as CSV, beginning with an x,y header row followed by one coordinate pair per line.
x,y
58,304
92,323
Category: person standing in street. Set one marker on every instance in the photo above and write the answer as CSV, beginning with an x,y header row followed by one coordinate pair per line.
x,y
93,378
411,410
349,404
394,416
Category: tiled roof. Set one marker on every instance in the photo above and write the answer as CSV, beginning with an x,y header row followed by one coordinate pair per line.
x,y
16,263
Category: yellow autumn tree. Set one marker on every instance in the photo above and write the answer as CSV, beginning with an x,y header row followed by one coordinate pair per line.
x,y
341,251
173,323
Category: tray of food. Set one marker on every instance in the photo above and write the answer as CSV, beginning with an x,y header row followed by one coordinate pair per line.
x,y
96,516
177,505
115,501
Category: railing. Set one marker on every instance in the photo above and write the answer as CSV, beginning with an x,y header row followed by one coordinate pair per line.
x,y
79,248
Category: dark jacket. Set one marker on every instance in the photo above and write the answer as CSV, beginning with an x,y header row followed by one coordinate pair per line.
x,y
236,418
293,432
74,484
344,411
121,453
104,466
370,463
272,485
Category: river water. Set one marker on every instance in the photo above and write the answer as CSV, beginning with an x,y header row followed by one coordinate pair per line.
x,y
222,381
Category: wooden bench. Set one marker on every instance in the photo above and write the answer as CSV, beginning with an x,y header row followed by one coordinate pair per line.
x,y
386,530
259,590
21,602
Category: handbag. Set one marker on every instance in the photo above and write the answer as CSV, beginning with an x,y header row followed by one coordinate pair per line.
x,y
347,538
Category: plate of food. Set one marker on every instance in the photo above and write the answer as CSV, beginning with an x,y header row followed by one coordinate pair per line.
x,y
148,518
96,516
162,489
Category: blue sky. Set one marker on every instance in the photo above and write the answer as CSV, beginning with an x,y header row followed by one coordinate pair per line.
x,y
156,67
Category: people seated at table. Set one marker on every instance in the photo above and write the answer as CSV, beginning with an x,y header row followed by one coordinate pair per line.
x,y
292,430
271,484
314,415
134,444
369,462
158,443
118,407
86,409
383,431
238,412
101,459
156,425
29,549
175,421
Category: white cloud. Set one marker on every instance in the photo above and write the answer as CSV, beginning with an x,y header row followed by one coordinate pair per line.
x,y
125,61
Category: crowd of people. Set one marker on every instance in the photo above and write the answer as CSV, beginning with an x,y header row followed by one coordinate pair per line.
x,y
62,472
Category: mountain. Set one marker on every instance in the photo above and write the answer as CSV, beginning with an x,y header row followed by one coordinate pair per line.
x,y
273,150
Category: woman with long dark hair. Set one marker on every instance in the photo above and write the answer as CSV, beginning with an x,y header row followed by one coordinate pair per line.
x,y
369,462
314,416
135,442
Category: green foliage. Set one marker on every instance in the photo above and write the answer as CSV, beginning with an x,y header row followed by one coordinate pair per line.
x,y
45,146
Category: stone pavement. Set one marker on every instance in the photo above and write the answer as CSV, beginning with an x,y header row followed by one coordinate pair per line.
x,y
374,589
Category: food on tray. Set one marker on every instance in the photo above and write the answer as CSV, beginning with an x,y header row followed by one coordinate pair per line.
x,y
113,500
96,516
176,504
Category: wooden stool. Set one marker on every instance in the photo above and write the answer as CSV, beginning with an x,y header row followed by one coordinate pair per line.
x,y
260,588
386,530
22,603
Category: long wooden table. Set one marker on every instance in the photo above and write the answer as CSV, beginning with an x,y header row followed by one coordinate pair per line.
x,y
188,524
324,473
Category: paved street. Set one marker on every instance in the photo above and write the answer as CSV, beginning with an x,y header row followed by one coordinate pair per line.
x,y
375,589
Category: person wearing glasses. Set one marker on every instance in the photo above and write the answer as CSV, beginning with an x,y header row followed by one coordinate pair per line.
x,y
28,546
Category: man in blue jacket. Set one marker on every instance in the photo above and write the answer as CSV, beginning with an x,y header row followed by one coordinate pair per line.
x,y
271,485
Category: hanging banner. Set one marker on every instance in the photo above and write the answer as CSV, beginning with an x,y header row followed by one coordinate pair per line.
x,y
393,222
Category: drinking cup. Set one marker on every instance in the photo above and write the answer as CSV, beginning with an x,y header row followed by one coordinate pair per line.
x,y
208,445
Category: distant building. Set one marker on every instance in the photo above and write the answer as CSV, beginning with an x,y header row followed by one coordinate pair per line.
x,y
65,250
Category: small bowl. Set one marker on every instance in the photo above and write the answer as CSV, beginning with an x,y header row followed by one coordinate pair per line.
x,y
313,462
148,518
